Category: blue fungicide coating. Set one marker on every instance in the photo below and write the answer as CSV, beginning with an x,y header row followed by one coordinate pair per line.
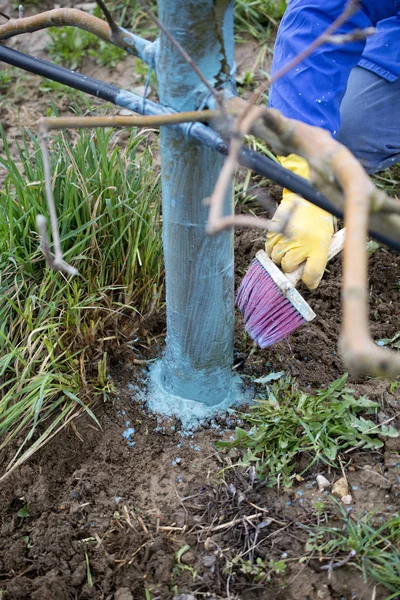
x,y
199,268
128,435
194,380
192,414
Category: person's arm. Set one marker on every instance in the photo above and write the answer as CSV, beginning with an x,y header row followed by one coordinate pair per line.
x,y
312,92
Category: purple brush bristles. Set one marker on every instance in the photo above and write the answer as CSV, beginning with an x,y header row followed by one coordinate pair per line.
x,y
268,315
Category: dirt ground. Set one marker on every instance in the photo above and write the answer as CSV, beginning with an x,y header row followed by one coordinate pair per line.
x,y
109,511
140,510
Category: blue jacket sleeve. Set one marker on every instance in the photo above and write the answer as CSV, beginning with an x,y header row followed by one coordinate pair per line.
x,y
313,90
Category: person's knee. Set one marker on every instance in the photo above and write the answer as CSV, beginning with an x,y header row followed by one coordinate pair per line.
x,y
351,137
372,151
359,134
368,111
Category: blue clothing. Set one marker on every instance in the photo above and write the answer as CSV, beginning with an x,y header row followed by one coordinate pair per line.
x,y
313,91
370,119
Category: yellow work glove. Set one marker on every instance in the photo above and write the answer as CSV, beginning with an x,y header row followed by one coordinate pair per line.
x,y
308,233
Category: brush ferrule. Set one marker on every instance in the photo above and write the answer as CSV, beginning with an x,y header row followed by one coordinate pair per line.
x,y
286,286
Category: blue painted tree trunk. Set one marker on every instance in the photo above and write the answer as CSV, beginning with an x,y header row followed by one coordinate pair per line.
x,y
199,269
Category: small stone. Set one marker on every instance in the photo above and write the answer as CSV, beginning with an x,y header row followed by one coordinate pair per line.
x,y
208,561
141,89
188,558
124,112
123,594
347,499
323,594
323,483
340,488
392,444
372,478
209,544
184,597
86,6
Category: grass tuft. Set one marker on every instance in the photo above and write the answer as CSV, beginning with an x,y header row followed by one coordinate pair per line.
x,y
54,331
375,547
254,17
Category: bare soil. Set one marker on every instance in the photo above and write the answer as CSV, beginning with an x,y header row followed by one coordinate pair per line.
x,y
100,514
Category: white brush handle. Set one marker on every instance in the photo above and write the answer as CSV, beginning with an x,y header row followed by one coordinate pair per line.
x,y
336,246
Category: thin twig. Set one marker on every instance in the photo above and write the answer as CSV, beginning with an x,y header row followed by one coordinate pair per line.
x,y
57,263
340,563
353,36
113,25
233,522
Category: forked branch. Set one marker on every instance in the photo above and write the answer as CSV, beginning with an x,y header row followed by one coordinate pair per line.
x,y
74,17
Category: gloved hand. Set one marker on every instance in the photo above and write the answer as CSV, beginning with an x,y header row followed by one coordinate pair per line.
x,y
308,233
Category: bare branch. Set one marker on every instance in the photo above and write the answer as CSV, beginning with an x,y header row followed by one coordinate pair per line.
x,y
360,354
285,136
56,17
76,18
244,221
133,121
57,262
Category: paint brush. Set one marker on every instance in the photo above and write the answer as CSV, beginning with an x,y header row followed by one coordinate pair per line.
x,y
271,306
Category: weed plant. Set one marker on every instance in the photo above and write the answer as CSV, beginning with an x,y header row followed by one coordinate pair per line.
x,y
287,424
54,330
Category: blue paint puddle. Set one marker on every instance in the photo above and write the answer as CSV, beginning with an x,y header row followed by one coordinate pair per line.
x,y
128,434
191,413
